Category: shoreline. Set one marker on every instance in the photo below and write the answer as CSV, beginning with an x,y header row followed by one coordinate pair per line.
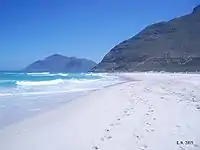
x,y
73,96
144,113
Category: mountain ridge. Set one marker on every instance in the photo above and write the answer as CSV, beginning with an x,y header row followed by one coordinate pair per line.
x,y
173,42
60,63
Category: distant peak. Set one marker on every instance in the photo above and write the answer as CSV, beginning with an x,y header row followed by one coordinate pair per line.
x,y
53,56
196,9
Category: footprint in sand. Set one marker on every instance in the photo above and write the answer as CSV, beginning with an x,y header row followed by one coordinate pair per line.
x,y
147,90
182,148
95,147
152,130
195,145
198,107
162,98
148,124
138,138
143,147
150,111
111,125
149,130
107,130
108,137
194,99
127,112
117,123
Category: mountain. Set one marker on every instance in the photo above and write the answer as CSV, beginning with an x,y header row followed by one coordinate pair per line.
x,y
59,63
172,46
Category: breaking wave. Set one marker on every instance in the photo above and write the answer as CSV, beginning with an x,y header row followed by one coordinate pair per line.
x,y
39,83
48,74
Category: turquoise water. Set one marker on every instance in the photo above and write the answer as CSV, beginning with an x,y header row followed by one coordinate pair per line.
x,y
12,79
24,95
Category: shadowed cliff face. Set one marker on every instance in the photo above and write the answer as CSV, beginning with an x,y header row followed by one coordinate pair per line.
x,y
164,46
59,63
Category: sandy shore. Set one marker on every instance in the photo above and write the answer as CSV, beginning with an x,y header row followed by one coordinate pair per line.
x,y
151,112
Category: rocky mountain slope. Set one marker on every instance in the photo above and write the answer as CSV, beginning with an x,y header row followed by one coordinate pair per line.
x,y
59,63
166,46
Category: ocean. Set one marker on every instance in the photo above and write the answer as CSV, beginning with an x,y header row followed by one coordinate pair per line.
x,y
24,95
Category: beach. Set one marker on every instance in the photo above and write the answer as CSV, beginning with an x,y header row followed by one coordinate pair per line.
x,y
151,111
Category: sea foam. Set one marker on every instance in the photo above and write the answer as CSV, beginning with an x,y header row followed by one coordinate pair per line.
x,y
39,83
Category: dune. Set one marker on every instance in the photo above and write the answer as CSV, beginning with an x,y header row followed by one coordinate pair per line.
x,y
152,111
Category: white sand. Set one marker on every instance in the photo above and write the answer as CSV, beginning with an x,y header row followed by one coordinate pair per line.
x,y
152,112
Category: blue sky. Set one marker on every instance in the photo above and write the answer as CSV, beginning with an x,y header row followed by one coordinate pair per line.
x,y
34,29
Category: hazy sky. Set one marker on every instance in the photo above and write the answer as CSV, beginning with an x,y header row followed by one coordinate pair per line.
x,y
34,29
